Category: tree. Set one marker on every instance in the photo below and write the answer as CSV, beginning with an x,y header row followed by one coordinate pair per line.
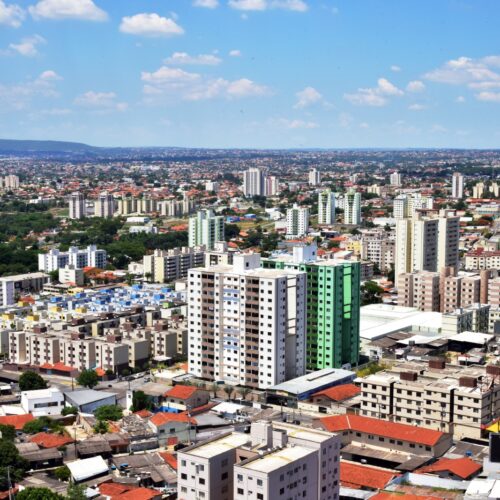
x,y
69,410
228,389
108,412
41,424
371,293
101,427
88,378
31,381
8,432
215,388
38,494
140,401
76,492
10,458
244,392
62,473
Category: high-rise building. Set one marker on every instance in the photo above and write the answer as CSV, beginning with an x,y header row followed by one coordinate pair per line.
x,y
165,266
79,258
426,243
478,190
419,290
11,182
105,205
271,186
395,179
406,205
76,206
246,324
352,207
314,177
379,247
332,306
297,221
457,185
206,229
326,207
253,182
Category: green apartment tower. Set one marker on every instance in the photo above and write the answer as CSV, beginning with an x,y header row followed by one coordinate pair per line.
x,y
332,306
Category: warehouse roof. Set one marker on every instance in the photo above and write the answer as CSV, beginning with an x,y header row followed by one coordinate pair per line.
x,y
87,396
87,468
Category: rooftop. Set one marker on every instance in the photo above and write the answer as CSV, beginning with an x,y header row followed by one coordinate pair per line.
x,y
461,467
355,475
218,446
277,459
181,391
86,396
339,392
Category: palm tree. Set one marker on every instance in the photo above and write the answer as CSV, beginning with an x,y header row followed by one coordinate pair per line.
x,y
214,387
244,392
228,389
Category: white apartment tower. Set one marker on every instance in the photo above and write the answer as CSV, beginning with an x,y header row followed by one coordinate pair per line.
x,y
76,206
297,221
326,207
314,177
395,179
253,182
271,186
406,205
457,185
352,207
105,205
206,229
246,324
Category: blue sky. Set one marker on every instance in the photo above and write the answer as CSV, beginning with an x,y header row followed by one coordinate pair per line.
x,y
252,73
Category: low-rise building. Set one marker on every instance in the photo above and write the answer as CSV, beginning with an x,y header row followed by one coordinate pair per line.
x,y
43,402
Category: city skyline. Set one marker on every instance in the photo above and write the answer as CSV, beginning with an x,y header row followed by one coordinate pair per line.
x,y
250,73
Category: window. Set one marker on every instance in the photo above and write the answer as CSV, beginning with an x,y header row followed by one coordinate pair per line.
x,y
201,480
223,476
240,478
259,482
184,476
260,496
240,491
183,463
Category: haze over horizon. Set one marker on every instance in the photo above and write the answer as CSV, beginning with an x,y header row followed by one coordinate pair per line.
x,y
265,74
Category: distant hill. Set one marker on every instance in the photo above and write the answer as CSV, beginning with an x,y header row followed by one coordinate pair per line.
x,y
30,147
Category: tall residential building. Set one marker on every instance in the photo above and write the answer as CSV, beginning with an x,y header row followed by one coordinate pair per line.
x,y
457,185
406,205
297,221
395,179
478,190
206,229
105,205
76,206
332,306
326,207
253,182
11,182
314,177
165,266
379,247
76,257
419,290
273,458
271,186
246,324
352,207
426,243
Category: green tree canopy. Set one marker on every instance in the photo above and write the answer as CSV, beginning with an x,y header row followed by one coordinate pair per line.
x,y
109,412
31,381
140,401
88,378
8,432
38,494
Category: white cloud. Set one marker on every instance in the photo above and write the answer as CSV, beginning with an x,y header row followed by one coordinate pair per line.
x,y
345,120
416,107
364,125
181,58
415,86
395,68
436,128
466,71
488,96
235,53
175,82
20,96
150,24
306,97
296,124
374,96
11,14
28,46
68,9
104,101
460,99
261,5
207,4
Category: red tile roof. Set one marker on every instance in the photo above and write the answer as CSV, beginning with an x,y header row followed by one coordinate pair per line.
x,y
163,418
139,494
46,440
385,495
58,366
462,467
181,391
113,489
17,421
402,432
340,392
169,459
143,413
360,476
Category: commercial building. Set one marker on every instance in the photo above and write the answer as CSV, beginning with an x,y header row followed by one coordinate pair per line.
x,y
105,205
352,207
78,258
314,177
449,398
274,461
254,182
88,400
246,324
326,207
333,304
297,221
166,266
206,229
13,287
76,206
457,185
43,402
